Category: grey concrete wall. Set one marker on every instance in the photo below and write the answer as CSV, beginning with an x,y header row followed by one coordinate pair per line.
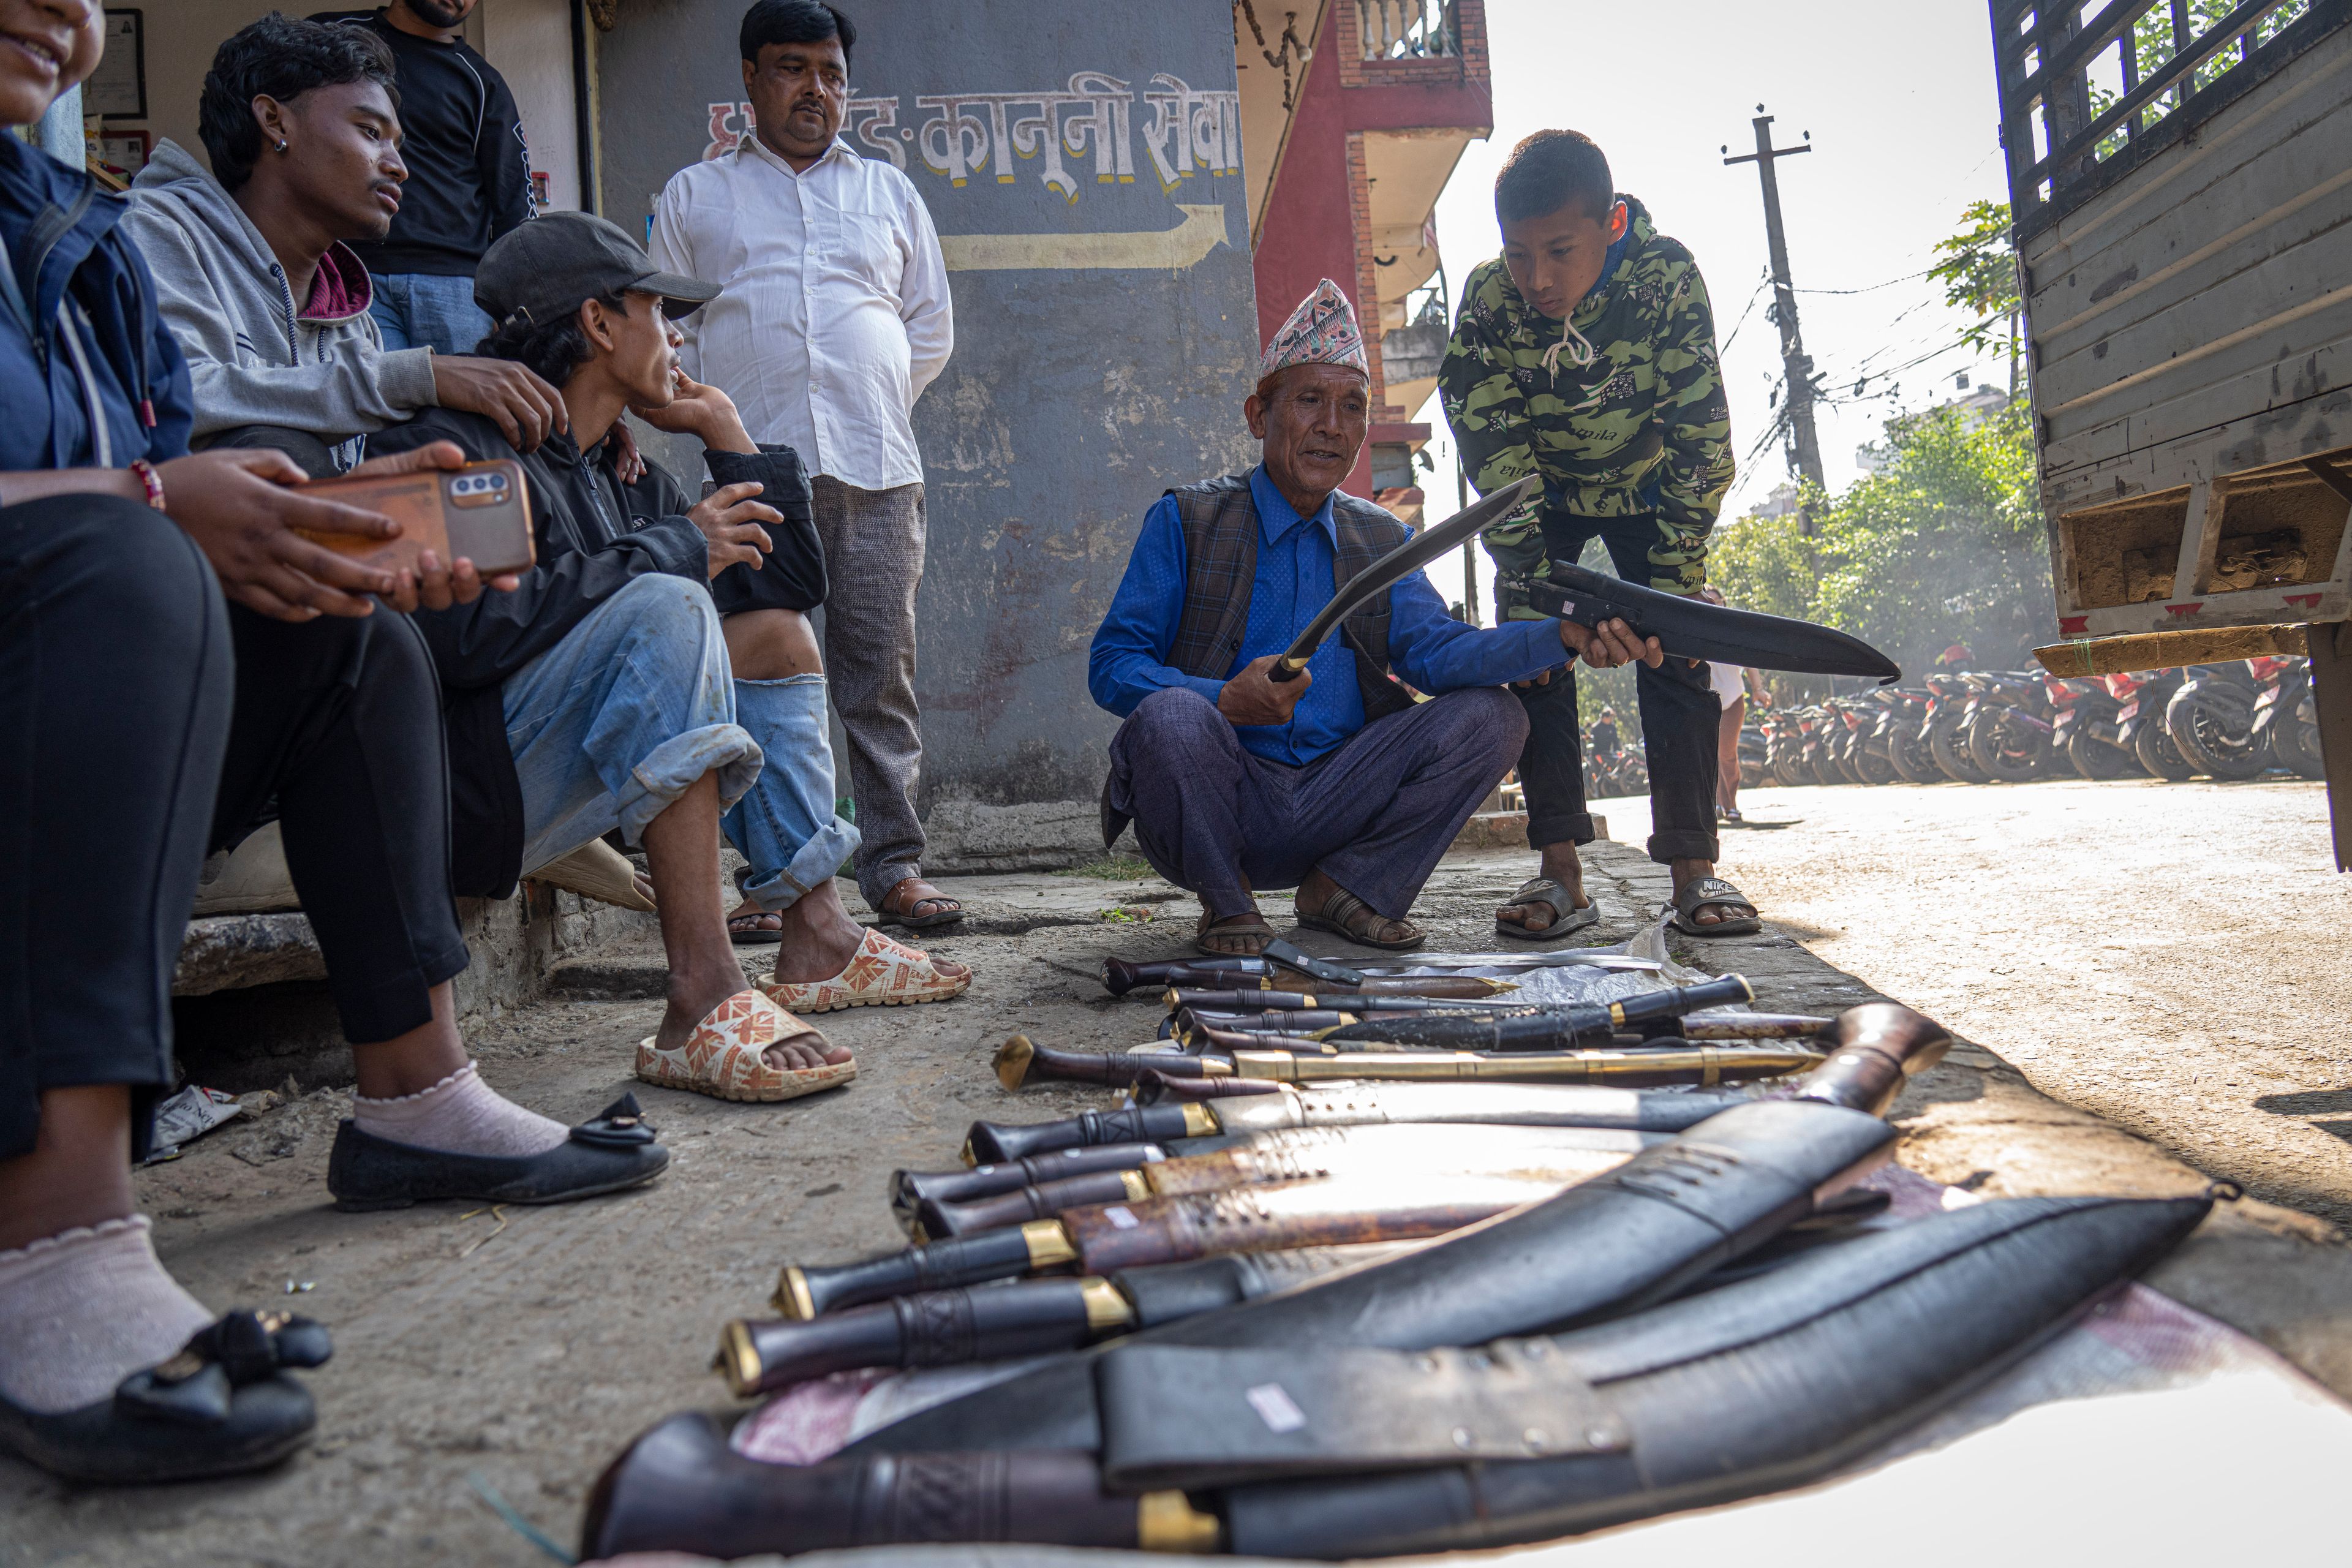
x,y
1077,392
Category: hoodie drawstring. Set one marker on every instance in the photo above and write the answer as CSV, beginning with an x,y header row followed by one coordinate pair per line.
x,y
1579,352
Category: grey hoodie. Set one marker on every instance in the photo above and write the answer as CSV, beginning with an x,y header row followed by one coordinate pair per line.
x,y
254,358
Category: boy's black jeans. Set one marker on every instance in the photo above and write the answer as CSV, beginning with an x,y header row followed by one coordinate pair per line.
x,y
1680,719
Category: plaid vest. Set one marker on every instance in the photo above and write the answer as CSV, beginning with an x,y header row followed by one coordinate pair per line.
x,y
1220,533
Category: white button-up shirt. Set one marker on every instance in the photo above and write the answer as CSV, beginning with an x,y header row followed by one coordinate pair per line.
x,y
835,314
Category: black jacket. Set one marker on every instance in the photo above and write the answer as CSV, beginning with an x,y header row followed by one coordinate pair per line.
x,y
592,535
468,171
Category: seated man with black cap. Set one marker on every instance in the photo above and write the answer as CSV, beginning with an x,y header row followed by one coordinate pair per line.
x,y
609,685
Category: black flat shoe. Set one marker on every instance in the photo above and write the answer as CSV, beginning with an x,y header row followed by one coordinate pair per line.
x,y
615,1151
222,1407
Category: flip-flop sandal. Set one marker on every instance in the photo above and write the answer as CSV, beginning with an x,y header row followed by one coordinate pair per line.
x,y
1343,906
1566,918
922,923
722,1057
1250,924
611,1154
1713,890
882,973
753,934
221,1406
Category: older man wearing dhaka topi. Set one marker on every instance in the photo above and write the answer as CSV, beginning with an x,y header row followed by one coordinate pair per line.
x,y
1337,783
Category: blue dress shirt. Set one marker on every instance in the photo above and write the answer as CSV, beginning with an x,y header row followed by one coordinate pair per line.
x,y
1431,650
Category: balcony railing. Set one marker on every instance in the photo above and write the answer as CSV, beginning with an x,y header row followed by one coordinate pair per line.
x,y
1409,29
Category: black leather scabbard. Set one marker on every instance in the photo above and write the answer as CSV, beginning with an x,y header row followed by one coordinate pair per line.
x,y
1692,628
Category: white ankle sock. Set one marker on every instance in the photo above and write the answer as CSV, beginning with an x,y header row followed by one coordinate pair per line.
x,y
459,1115
83,1310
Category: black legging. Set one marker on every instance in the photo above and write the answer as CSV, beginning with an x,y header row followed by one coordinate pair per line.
x,y
119,666
1680,716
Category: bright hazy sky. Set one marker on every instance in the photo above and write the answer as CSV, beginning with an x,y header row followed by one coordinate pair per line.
x,y
1899,100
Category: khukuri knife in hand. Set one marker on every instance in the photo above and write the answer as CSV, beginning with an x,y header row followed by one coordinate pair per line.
x,y
1410,556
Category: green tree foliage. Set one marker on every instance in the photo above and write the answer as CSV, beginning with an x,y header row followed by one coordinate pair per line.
x,y
1979,271
1943,544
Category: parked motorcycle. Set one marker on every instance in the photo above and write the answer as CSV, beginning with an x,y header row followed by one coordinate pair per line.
x,y
1864,756
2086,732
1902,711
2007,723
2210,718
2140,722
1751,755
1939,727
2286,715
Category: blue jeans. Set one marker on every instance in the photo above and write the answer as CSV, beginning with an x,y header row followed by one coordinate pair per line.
x,y
620,719
421,310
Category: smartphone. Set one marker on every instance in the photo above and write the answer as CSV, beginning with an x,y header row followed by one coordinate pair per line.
x,y
481,512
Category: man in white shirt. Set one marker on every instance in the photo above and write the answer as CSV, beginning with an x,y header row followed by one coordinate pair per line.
x,y
834,318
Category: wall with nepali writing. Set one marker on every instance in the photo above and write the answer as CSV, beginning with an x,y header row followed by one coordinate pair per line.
x,y
1083,164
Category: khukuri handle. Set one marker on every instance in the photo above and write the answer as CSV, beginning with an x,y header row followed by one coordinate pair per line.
x,y
993,1142
809,1292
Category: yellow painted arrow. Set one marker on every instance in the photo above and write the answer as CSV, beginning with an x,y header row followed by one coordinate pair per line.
x,y
1170,251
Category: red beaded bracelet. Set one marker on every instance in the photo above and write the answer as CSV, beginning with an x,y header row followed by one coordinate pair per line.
x,y
153,480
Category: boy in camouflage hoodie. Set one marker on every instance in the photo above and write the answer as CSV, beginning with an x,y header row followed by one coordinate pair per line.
x,y
1586,353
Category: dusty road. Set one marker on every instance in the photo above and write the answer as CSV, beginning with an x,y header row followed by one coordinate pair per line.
x,y
2171,956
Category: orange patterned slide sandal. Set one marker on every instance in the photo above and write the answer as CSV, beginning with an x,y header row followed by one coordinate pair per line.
x,y
722,1057
882,974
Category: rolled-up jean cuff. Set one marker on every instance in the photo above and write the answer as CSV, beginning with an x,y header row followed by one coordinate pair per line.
x,y
672,767
814,865
1667,847
1576,828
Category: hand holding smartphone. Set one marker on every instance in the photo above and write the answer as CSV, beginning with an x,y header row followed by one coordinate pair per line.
x,y
481,512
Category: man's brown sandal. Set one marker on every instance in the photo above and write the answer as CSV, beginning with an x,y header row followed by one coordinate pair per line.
x,y
1250,928
1344,914
948,914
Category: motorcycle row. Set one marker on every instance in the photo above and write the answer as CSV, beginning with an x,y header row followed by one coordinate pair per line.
x,y
2234,721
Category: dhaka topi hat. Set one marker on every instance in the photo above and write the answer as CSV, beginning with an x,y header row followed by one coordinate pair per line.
x,y
1322,330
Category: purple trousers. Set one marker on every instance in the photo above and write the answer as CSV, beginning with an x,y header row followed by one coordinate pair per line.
x,y
1374,815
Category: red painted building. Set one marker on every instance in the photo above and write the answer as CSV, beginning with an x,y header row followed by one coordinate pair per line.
x,y
1347,151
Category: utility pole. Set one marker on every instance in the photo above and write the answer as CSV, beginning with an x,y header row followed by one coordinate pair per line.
x,y
1798,366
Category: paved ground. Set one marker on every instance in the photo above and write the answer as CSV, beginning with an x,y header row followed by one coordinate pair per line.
x,y
517,1351
2171,956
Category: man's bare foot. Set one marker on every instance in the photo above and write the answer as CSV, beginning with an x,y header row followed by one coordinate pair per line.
x,y
1685,872
691,999
1561,865
1363,923
916,904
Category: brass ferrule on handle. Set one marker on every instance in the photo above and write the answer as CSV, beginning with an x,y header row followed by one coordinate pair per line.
x,y
739,1358
792,1298
1106,1308
1200,1122
1048,1242
1167,1521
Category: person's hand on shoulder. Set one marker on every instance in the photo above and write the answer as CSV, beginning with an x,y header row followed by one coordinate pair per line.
x,y
526,409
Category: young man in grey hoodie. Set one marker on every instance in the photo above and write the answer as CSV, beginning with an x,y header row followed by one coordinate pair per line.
x,y
302,122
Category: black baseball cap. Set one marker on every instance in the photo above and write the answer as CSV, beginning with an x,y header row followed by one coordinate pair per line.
x,y
549,267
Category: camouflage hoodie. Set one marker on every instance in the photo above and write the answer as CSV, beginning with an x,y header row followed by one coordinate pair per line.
x,y
1631,420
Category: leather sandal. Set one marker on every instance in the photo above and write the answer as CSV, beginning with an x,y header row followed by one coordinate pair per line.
x,y
1696,896
1546,894
1249,925
1344,914
885,915
614,1152
220,1406
882,973
724,1057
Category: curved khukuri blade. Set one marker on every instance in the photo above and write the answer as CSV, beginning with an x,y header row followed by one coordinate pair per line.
x,y
1667,1216
1410,556
1759,1385
1692,628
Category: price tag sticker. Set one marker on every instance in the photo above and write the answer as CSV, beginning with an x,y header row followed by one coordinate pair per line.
x,y
1121,1217
1276,1407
